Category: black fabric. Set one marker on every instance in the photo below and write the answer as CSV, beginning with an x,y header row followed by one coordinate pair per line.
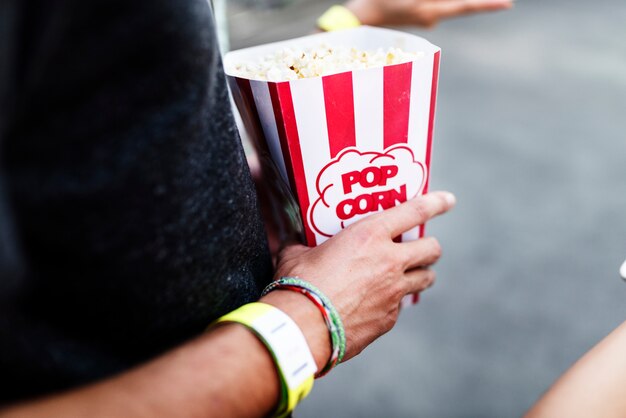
x,y
128,218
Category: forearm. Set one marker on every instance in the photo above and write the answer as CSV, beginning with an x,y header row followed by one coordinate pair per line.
x,y
227,372
593,387
364,11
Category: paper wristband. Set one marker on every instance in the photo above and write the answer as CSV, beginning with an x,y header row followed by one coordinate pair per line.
x,y
286,344
337,18
328,311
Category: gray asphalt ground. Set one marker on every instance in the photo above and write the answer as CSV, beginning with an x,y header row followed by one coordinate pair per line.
x,y
531,137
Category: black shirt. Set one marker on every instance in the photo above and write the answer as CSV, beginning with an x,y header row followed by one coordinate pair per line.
x,y
128,219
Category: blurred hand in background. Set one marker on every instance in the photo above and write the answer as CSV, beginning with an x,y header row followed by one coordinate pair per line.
x,y
424,13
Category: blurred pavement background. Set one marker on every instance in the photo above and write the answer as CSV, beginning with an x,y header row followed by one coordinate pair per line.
x,y
530,135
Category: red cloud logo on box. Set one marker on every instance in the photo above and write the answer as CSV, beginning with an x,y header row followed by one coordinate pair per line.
x,y
356,184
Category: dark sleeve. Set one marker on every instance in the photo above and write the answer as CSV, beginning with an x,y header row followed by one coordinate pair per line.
x,y
9,261
122,184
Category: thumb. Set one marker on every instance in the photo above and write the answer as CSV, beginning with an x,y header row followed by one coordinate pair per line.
x,y
290,251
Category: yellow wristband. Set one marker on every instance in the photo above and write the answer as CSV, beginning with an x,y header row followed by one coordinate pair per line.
x,y
288,347
337,18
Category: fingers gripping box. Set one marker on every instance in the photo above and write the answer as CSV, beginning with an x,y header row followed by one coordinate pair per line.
x,y
350,144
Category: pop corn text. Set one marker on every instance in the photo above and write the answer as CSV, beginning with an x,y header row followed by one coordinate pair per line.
x,y
370,177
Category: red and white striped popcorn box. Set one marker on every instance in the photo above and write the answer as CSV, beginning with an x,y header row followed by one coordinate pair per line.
x,y
350,144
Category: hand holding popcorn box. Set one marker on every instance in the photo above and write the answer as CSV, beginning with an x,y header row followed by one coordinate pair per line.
x,y
346,119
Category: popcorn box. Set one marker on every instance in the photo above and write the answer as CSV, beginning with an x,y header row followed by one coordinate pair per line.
x,y
343,146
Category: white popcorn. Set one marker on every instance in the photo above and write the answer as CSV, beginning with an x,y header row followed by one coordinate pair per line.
x,y
287,64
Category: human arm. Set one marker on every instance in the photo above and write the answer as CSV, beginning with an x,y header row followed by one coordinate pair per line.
x,y
228,372
593,387
425,13
224,373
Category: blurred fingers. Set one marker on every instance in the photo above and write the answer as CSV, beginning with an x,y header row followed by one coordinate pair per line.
x,y
418,280
450,8
421,253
